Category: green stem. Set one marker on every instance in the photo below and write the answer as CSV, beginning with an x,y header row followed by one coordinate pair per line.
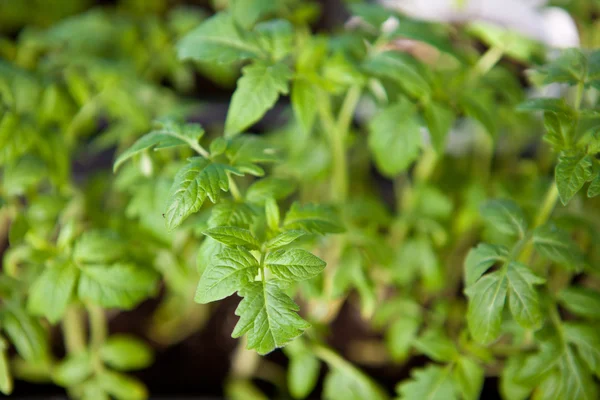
x,y
98,326
233,188
73,330
487,61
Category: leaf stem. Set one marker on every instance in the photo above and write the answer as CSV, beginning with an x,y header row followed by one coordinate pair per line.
x,y
487,61
73,330
233,188
98,326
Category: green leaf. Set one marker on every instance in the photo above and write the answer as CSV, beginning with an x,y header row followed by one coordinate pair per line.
x,y
98,247
268,317
557,246
577,383
468,376
505,216
231,213
522,297
284,238
121,387
510,385
126,353
195,182
432,382
6,380
312,218
73,370
435,345
51,292
439,119
343,384
272,215
304,103
400,68
395,138
571,173
581,301
269,188
257,91
276,37
294,265
218,41
303,370
570,67
116,286
233,236
482,258
26,334
247,12
557,106
230,270
400,336
594,188
475,107
486,302
586,339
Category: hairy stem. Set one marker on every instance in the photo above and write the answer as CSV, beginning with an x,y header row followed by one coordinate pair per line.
x,y
73,330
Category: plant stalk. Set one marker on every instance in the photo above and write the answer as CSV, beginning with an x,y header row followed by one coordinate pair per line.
x,y
73,330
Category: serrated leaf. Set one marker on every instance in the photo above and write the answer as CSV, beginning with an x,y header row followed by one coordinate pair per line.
x,y
557,246
395,138
276,37
116,286
231,213
505,216
268,317
578,384
439,119
230,270
522,297
26,334
51,292
304,103
581,301
126,353
569,67
257,91
120,386
312,218
147,141
486,302
400,68
216,40
586,339
482,258
571,174
233,236
98,247
435,345
269,188
294,265
284,238
554,105
195,182
73,370
468,376
594,188
432,382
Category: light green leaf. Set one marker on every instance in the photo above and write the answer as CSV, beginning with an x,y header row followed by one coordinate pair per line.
x,y
557,246
578,384
435,345
510,385
276,37
432,382
313,218
257,91
26,334
571,173
195,182
51,292
303,370
268,317
439,119
304,103
98,247
231,213
247,12
586,339
216,40
523,299
554,105
116,286
505,216
400,68
230,270
476,107
269,188
581,301
395,138
284,238
126,353
6,380
121,387
480,259
486,302
344,385
468,376
400,336
594,188
147,141
294,265
272,215
233,236
73,370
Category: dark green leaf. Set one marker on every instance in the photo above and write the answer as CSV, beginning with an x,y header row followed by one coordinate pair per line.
x,y
571,174
557,106
486,302
233,236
